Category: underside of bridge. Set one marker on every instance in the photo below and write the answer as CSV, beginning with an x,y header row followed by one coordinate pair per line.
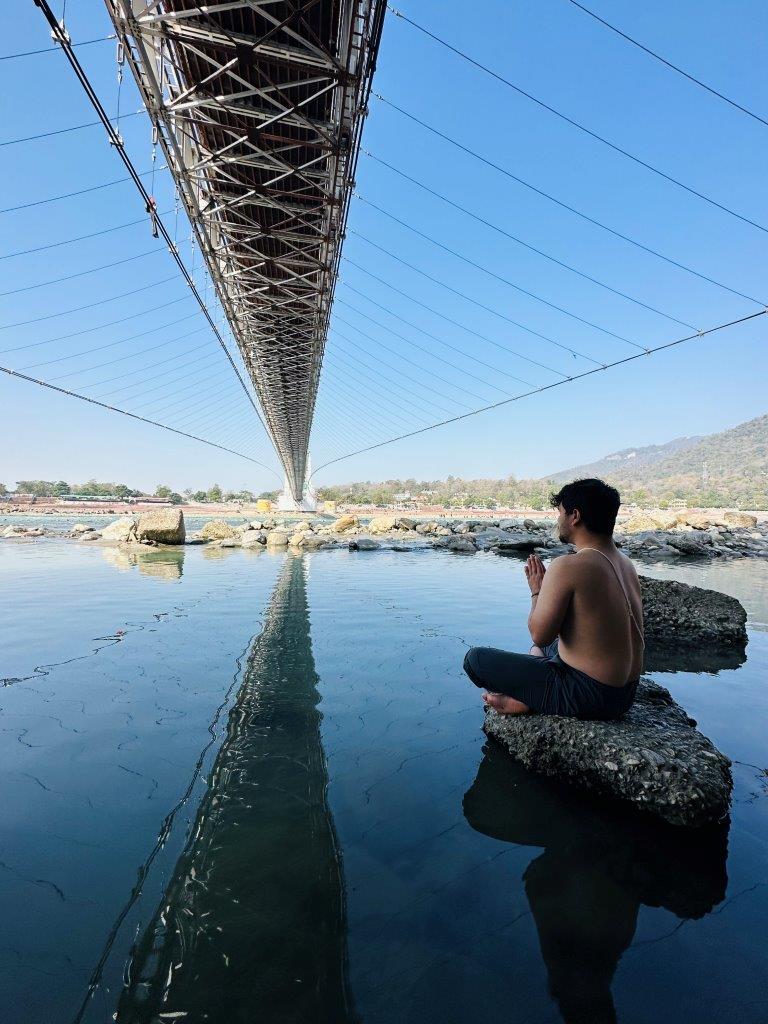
x,y
259,107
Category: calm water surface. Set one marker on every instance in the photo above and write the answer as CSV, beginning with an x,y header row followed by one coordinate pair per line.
x,y
242,786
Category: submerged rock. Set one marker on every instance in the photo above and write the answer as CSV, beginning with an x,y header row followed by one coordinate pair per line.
x,y
685,616
161,526
653,757
364,544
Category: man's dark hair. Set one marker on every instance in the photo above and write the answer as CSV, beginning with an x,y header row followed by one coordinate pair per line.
x,y
597,501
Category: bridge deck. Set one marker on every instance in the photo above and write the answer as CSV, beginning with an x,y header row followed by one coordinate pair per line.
x,y
259,107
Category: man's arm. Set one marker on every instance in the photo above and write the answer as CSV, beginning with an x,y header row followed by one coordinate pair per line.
x,y
549,607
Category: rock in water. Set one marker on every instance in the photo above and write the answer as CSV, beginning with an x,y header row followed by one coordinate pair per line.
x,y
742,519
161,525
653,757
217,529
382,524
680,615
344,523
121,530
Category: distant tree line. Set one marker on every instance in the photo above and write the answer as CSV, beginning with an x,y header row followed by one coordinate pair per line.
x,y
103,489
453,492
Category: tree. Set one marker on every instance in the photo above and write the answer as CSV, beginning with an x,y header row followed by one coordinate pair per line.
x,y
200,496
175,498
214,493
3,489
161,491
61,487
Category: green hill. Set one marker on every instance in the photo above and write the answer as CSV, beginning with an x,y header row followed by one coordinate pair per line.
x,y
729,468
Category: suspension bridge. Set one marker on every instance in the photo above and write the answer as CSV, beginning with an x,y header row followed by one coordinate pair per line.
x,y
255,111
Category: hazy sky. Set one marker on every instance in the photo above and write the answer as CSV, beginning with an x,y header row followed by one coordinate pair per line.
x,y
148,351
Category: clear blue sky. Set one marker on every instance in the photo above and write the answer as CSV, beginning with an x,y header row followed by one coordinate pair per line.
x,y
375,384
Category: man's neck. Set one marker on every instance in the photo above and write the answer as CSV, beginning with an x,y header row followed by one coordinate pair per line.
x,y
593,540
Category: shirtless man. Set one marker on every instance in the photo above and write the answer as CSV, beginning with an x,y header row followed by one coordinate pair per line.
x,y
585,621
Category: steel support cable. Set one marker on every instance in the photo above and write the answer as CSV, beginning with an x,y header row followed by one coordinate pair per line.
x,y
421,348
115,139
369,410
670,65
397,369
399,385
574,352
120,341
145,380
582,128
217,415
359,411
71,241
178,391
101,348
370,381
81,273
161,362
454,348
558,383
79,192
55,49
518,241
433,355
565,206
124,412
427,334
89,305
503,280
110,323
64,131
371,404
208,397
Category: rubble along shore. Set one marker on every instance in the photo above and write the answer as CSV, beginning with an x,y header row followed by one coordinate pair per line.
x,y
659,535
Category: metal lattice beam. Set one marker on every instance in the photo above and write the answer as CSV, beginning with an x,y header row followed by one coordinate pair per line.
x,y
259,107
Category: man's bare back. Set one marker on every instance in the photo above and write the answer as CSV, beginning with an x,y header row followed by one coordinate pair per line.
x,y
597,635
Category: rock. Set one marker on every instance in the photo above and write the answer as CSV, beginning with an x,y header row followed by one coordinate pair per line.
x,y
162,526
742,519
364,544
90,535
253,539
681,615
312,542
382,524
191,541
229,542
122,530
459,543
519,542
652,757
80,528
345,523
406,523
37,532
425,528
699,520
444,531
217,529
689,543
531,524
490,536
277,539
641,522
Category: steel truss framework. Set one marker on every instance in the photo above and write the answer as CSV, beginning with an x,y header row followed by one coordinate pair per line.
x,y
259,107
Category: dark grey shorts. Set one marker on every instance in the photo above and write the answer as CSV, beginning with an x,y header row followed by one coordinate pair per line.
x,y
547,684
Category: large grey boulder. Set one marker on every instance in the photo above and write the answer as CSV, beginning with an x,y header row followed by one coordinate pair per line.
x,y
681,615
122,530
653,757
161,526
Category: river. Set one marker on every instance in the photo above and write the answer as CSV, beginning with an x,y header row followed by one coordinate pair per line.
x,y
243,785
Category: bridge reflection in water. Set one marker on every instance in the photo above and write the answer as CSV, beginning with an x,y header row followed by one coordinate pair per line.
x,y
252,924
600,864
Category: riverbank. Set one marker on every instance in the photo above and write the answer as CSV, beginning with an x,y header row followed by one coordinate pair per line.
x,y
702,535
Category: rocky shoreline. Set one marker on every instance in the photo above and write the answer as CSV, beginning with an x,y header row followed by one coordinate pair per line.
x,y
658,535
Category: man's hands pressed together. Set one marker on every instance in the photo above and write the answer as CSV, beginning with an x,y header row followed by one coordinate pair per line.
x,y
534,573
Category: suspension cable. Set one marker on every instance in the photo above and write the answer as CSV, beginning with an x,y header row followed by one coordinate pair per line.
x,y
576,124
549,387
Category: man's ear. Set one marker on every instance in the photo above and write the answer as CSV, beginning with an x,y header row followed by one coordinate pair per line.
x,y
576,517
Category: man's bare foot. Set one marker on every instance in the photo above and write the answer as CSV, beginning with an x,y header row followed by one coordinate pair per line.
x,y
505,705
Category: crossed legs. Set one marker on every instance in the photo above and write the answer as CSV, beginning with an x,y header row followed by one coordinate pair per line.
x,y
508,705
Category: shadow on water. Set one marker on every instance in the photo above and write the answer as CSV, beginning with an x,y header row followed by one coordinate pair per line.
x,y
707,659
252,923
600,864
